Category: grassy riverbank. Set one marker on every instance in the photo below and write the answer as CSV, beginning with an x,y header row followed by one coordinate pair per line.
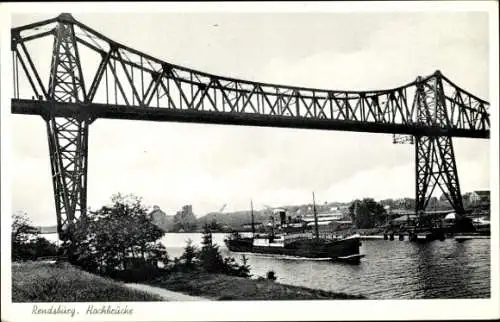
x,y
44,282
62,282
224,287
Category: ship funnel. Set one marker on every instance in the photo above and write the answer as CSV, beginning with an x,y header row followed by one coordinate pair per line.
x,y
282,215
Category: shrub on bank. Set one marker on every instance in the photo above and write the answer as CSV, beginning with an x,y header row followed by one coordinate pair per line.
x,y
26,244
136,275
271,276
208,259
119,241
34,249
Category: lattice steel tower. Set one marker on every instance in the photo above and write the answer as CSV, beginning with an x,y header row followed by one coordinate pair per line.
x,y
434,156
68,136
435,164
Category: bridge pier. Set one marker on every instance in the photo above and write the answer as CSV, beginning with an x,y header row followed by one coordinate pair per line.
x,y
434,156
68,149
435,166
67,136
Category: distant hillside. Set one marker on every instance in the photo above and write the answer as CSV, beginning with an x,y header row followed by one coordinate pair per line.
x,y
234,219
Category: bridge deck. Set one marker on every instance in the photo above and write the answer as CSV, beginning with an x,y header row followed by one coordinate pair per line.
x,y
109,111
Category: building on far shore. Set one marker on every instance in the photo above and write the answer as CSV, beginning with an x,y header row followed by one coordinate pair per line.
x,y
327,226
480,197
248,227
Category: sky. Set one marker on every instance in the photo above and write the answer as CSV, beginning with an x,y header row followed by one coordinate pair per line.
x,y
207,166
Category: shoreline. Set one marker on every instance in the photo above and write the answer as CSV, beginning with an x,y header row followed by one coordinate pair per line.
x,y
231,288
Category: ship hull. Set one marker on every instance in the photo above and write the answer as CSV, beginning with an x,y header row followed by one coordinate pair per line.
x,y
339,250
240,245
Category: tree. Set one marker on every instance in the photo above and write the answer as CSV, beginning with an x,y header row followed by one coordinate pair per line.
x,y
25,242
466,200
363,217
21,229
211,260
352,209
271,275
214,226
242,270
185,220
367,213
408,203
189,255
41,247
118,237
433,203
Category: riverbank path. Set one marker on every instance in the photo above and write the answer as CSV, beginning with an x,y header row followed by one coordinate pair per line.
x,y
165,294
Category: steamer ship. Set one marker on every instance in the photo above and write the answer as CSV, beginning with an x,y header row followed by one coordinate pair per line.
x,y
292,238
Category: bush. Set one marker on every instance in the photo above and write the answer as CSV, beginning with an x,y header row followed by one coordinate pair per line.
x,y
235,269
209,259
189,255
271,275
26,243
136,275
34,249
120,237
212,261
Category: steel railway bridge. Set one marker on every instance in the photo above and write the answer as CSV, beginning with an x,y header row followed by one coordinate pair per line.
x,y
124,83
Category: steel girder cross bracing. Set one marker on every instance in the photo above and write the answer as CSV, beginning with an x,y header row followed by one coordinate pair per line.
x,y
434,157
68,136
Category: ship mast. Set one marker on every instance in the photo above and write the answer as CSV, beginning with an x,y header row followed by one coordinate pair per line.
x,y
253,224
316,231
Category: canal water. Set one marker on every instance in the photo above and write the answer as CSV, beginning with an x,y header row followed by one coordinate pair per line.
x,y
390,270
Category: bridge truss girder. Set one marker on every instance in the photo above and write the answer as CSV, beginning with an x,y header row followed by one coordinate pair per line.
x,y
127,79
